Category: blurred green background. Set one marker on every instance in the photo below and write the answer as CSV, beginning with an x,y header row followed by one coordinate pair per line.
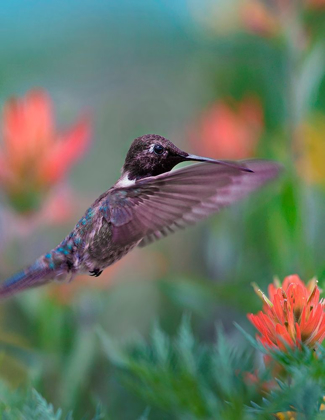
x,y
228,79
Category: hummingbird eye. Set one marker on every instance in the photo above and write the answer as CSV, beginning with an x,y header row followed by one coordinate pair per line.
x,y
158,149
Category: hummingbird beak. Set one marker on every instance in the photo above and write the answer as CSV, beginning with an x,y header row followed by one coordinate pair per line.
x,y
218,162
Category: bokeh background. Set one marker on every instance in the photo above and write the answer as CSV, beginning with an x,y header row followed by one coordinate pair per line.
x,y
221,78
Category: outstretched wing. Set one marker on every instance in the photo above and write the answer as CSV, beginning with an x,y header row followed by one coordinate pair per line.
x,y
157,206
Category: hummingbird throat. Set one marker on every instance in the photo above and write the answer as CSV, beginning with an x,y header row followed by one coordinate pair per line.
x,y
124,181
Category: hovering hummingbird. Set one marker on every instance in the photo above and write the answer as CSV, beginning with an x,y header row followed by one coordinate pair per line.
x,y
148,201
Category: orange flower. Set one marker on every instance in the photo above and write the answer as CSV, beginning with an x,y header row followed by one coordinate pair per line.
x,y
293,314
34,156
229,130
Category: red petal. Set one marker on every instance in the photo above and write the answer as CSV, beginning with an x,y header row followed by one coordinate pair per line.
x,y
266,342
271,291
298,335
27,126
319,337
294,278
65,152
283,337
264,325
278,306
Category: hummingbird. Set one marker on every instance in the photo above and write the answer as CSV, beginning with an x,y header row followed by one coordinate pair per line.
x,y
148,202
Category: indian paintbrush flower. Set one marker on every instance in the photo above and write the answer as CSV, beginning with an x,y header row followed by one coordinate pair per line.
x,y
292,315
34,156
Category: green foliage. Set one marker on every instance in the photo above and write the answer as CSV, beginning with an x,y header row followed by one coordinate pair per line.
x,y
301,388
30,405
189,380
184,378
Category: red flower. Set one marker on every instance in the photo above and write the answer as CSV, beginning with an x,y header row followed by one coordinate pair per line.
x,y
34,155
229,130
293,314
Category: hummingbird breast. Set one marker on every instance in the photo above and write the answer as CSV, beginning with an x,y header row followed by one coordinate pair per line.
x,y
101,250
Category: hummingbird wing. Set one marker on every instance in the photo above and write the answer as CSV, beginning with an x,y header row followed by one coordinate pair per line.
x,y
157,206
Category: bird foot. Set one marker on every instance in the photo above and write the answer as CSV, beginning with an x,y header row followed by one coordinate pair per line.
x,y
96,273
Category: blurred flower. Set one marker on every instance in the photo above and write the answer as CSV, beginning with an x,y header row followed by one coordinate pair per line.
x,y
229,130
266,18
292,314
258,18
34,156
310,148
287,415
263,386
293,415
315,4
270,18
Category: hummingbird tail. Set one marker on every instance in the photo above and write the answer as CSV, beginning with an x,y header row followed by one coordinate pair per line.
x,y
34,275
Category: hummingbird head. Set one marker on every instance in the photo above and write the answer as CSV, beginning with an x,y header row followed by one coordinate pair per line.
x,y
151,155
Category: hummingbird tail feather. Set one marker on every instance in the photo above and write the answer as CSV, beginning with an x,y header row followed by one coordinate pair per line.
x,y
35,275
